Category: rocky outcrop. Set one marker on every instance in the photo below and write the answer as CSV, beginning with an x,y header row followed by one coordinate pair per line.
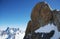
x,y
42,15
40,35
43,35
56,18
29,28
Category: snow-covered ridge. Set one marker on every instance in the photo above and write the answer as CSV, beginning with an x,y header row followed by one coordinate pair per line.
x,y
11,33
47,28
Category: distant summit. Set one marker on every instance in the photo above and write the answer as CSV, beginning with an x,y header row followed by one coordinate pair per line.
x,y
11,33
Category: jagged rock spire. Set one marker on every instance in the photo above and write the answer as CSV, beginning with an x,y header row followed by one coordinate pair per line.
x,y
42,15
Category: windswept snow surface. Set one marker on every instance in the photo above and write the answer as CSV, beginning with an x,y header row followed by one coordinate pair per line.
x,y
3,37
48,28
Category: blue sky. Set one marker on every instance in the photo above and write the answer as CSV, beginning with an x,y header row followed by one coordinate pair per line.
x,y
17,12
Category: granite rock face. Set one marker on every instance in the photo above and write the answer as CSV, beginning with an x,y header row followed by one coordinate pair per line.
x,y
56,18
29,28
42,15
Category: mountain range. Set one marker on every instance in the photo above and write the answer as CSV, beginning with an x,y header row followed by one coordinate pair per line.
x,y
11,33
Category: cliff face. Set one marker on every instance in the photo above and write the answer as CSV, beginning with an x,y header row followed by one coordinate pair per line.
x,y
56,18
42,15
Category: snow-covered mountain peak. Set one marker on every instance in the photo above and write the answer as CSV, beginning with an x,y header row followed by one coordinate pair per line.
x,y
11,33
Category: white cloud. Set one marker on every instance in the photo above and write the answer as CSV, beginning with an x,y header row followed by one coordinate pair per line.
x,y
19,35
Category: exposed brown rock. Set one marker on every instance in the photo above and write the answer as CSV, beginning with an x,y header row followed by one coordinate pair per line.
x,y
40,16
29,27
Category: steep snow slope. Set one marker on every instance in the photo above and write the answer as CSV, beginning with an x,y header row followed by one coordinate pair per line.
x,y
48,28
